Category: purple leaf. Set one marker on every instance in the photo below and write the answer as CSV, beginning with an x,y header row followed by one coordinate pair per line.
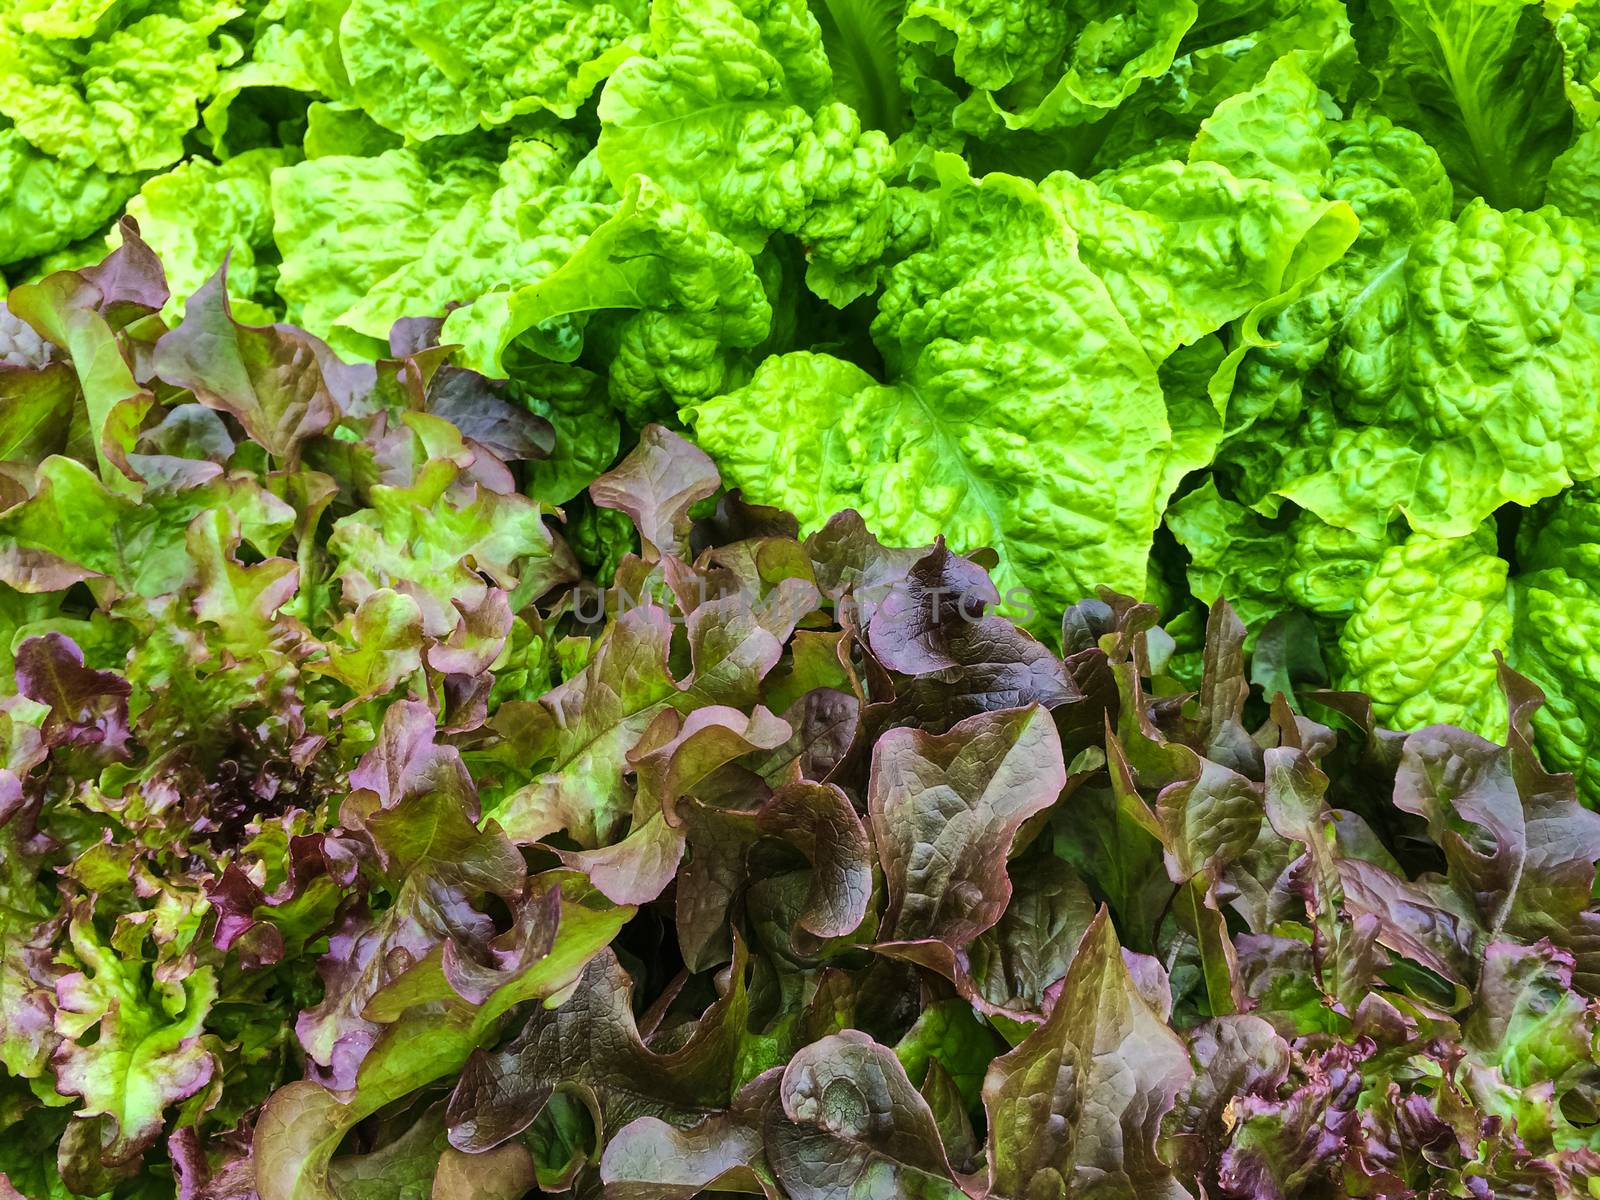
x,y
1078,1105
271,378
945,809
656,485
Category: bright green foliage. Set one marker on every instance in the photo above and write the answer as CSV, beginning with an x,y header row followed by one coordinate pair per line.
x,y
699,298
49,203
1423,634
1043,66
993,360
1228,299
117,89
443,66
344,224
1481,80
527,227
731,112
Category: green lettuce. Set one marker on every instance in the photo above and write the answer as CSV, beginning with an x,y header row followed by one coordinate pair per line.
x,y
731,112
48,202
343,224
700,302
436,67
117,93
989,358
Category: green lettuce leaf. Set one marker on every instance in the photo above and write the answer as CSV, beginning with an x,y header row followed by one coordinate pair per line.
x,y
1439,365
49,203
438,67
340,128
295,47
120,100
523,230
201,212
1574,185
1400,381
1557,597
1421,640
1481,80
1576,23
148,1053
700,303
344,224
987,357
732,113
1037,65
1263,566
588,432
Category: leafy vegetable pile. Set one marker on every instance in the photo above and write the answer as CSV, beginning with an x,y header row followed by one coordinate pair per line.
x,y
472,723
355,844
1263,304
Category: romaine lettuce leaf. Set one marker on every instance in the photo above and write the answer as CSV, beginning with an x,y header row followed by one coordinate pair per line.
x,y
1401,382
295,47
992,362
1443,357
120,100
1422,638
732,113
429,67
524,229
1481,80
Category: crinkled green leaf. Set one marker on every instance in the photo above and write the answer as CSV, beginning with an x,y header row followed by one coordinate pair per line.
x,y
952,445
526,228
1041,66
425,69
698,298
50,203
1481,80
295,46
747,86
1422,637
122,100
1438,362
344,224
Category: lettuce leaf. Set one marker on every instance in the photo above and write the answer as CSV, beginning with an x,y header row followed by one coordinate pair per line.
x,y
432,68
1482,81
49,203
122,99
200,213
343,224
963,439
732,113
